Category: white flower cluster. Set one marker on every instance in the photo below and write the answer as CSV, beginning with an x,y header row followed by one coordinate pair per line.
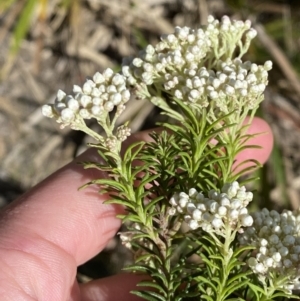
x,y
215,212
234,85
95,99
196,66
123,132
277,241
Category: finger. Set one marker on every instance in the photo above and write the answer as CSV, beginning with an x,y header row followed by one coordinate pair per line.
x,y
111,288
265,140
52,229
56,210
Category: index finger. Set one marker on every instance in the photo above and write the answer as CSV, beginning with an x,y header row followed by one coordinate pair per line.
x,y
54,227
77,221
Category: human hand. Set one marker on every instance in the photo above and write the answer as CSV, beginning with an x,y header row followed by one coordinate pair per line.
x,y
53,228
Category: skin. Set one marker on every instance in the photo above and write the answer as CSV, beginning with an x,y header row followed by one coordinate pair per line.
x,y
53,228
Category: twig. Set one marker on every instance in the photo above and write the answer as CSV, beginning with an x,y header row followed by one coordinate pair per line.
x,y
279,56
203,11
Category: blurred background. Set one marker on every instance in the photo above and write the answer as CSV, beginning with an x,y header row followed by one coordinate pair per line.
x,y
46,45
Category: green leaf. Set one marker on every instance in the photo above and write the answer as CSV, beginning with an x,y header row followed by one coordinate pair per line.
x,y
131,152
121,202
218,257
207,281
242,249
285,295
132,217
234,263
151,253
150,296
233,288
148,179
6,4
256,290
139,268
220,121
150,284
110,183
167,110
87,165
246,147
143,258
152,204
208,298
240,275
278,168
110,156
187,111
22,25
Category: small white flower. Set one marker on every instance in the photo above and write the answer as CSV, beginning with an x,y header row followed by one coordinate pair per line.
x,y
111,89
96,110
289,240
197,215
118,79
173,200
193,192
108,73
246,220
98,78
254,68
190,208
60,95
213,207
125,95
217,223
252,262
97,101
77,89
225,201
213,95
287,263
67,115
172,211
251,34
109,106
233,214
222,210
263,242
116,98
193,225
274,239
84,113
260,268
84,100
87,88
269,262
47,111
73,104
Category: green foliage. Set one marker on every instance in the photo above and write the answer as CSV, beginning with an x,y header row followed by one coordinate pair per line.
x,y
186,214
6,4
23,24
195,153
